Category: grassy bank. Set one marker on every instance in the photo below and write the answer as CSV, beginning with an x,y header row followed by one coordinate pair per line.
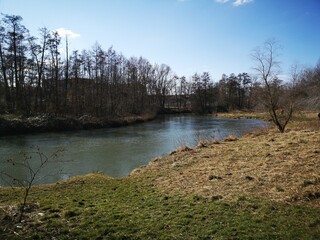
x,y
265,185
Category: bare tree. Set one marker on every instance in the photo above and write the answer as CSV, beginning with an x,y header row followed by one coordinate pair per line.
x,y
307,86
4,69
279,106
33,163
13,56
54,43
38,51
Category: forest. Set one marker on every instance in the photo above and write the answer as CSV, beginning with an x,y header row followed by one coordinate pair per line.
x,y
37,78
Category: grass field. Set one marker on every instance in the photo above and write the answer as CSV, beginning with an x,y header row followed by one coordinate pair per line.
x,y
265,185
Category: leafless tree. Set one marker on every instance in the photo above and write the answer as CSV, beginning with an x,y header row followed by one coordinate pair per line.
x,y
267,66
36,79
38,55
32,163
13,58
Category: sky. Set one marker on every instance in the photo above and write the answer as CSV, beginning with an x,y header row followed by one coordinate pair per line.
x,y
190,36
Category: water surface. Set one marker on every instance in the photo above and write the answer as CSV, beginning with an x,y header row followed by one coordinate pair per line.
x,y
116,151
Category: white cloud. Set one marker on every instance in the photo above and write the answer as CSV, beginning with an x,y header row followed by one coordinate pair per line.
x,y
222,1
66,32
235,3
241,2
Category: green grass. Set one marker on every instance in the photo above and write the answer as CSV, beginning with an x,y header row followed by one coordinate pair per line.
x,y
152,203
97,207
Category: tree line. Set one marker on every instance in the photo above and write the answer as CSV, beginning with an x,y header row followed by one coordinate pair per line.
x,y
37,78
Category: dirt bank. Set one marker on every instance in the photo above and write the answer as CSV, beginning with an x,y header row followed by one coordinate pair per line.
x,y
10,125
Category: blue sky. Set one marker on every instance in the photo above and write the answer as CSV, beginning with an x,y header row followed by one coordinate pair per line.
x,y
188,35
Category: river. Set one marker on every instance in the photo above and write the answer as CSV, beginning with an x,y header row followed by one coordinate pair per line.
x,y
114,151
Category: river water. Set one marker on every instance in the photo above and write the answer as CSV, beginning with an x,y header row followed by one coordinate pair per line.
x,y
114,151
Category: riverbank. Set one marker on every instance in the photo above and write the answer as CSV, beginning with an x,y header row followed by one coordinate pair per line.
x,y
264,164
12,124
264,185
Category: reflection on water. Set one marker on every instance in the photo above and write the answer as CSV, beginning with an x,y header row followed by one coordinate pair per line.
x,y
117,151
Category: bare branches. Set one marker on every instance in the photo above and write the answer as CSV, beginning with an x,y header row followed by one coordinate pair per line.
x,y
266,63
32,163
268,69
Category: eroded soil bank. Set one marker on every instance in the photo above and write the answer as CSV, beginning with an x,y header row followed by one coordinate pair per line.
x,y
10,124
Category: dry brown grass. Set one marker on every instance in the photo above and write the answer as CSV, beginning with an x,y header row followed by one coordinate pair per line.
x,y
265,164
